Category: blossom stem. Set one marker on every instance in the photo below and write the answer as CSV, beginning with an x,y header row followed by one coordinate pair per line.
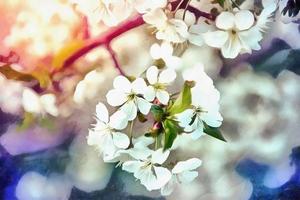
x,y
130,131
115,60
105,38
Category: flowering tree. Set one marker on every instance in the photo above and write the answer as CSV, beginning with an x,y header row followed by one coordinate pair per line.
x,y
167,100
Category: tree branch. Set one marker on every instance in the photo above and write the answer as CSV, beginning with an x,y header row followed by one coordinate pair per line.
x,y
105,38
114,58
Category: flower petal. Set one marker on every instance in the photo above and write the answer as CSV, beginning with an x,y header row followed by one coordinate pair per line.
x,y
132,166
167,76
225,21
215,38
198,132
159,156
118,120
122,83
169,187
121,140
139,86
185,117
187,176
187,165
116,97
244,19
48,102
155,52
130,109
163,96
143,105
152,74
31,101
149,93
232,47
102,112
163,176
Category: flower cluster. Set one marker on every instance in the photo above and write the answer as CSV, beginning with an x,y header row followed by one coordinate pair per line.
x,y
164,116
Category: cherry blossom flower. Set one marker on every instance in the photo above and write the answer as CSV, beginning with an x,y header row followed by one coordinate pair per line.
x,y
236,33
36,104
168,29
144,6
148,169
129,95
182,173
107,11
158,83
205,102
165,52
105,135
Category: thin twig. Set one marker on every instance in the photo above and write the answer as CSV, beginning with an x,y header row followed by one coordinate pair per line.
x,y
115,60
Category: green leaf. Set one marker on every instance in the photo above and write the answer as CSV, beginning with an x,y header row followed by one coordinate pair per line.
x,y
171,130
157,112
220,2
214,132
184,99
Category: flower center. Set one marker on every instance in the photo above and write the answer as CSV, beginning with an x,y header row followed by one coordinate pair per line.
x,y
131,96
159,86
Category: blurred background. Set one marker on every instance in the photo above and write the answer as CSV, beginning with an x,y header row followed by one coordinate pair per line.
x,y
260,104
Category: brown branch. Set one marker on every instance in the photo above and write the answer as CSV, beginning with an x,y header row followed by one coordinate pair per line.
x,y
105,38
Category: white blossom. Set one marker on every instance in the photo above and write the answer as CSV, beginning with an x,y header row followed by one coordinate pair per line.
x,y
148,169
107,11
164,51
36,104
183,172
158,83
144,6
168,29
129,95
205,104
236,33
105,135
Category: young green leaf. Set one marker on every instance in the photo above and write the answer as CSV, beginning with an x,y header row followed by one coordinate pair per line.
x,y
171,130
157,112
214,132
184,99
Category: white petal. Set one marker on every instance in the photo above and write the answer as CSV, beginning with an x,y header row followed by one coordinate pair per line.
x,y
155,52
139,86
116,97
213,119
130,109
215,38
142,142
167,76
149,93
187,176
94,138
121,140
163,96
122,83
244,19
187,165
159,156
231,48
189,17
197,133
48,102
102,112
251,38
225,21
156,17
185,117
118,120
152,74
169,187
143,105
166,49
132,166
31,101
163,176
